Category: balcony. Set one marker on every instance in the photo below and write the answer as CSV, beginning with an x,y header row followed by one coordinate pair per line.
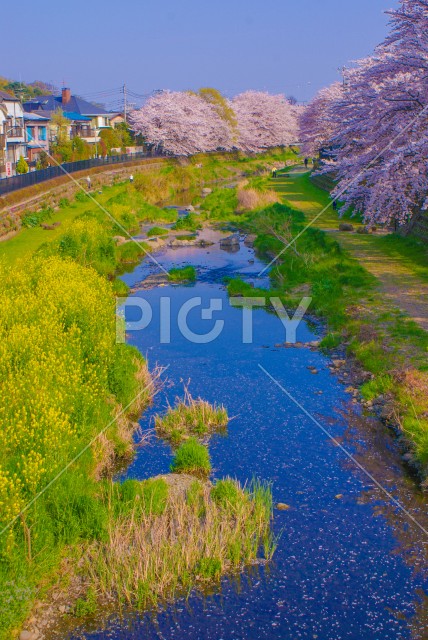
x,y
83,132
15,132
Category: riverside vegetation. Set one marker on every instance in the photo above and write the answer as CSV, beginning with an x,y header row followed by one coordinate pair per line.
x,y
70,396
390,347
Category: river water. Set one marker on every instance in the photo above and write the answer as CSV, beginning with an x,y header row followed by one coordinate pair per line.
x,y
349,563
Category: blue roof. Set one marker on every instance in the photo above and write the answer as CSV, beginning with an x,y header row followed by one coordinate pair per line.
x,y
35,116
74,105
72,115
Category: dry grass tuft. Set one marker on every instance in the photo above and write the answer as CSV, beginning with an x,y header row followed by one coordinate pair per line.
x,y
250,198
151,558
191,417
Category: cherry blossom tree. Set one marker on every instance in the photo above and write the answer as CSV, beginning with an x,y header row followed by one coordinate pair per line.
x,y
381,166
264,121
181,123
317,122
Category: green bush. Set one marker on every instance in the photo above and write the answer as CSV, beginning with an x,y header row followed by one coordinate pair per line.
x,y
22,166
120,288
182,274
221,204
131,251
192,457
188,223
36,218
157,231
81,196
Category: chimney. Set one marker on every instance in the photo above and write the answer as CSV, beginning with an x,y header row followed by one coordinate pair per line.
x,y
66,95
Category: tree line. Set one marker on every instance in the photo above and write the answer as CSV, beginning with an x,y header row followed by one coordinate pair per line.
x,y
375,123
188,122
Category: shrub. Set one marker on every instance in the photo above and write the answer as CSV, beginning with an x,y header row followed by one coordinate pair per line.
x,y
81,196
22,166
131,251
182,274
221,204
188,223
89,243
36,218
192,457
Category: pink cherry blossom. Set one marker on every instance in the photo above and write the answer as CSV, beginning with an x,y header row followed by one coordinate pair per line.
x,y
382,117
181,123
264,121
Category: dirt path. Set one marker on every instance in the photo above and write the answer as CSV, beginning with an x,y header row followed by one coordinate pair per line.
x,y
398,282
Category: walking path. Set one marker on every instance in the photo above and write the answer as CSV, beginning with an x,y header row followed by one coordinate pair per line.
x,y
399,277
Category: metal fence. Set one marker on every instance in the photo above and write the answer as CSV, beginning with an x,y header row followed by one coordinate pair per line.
x,y
35,177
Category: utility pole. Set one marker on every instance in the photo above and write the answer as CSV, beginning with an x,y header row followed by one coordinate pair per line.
x,y
125,105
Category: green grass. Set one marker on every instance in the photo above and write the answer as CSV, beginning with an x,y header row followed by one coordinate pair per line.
x,y
299,192
409,252
386,342
182,274
379,386
188,222
137,497
28,240
221,204
190,417
157,231
193,458
226,493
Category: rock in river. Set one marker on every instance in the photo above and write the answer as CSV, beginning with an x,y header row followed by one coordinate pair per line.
x,y
230,241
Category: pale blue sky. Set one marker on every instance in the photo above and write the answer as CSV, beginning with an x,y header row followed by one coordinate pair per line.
x,y
290,46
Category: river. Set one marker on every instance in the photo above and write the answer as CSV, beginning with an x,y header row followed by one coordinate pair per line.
x,y
349,564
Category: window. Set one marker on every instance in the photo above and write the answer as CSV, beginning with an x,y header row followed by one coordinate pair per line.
x,y
30,134
42,133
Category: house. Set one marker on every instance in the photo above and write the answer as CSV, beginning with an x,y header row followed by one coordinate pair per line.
x,y
86,119
37,135
12,130
116,118
3,118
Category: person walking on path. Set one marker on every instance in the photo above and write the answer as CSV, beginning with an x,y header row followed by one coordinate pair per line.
x,y
88,183
306,163
131,178
274,172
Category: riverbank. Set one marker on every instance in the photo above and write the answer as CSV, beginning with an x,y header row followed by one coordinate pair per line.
x,y
379,314
72,395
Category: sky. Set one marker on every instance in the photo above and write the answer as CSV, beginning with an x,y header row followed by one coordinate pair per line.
x,y
293,47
